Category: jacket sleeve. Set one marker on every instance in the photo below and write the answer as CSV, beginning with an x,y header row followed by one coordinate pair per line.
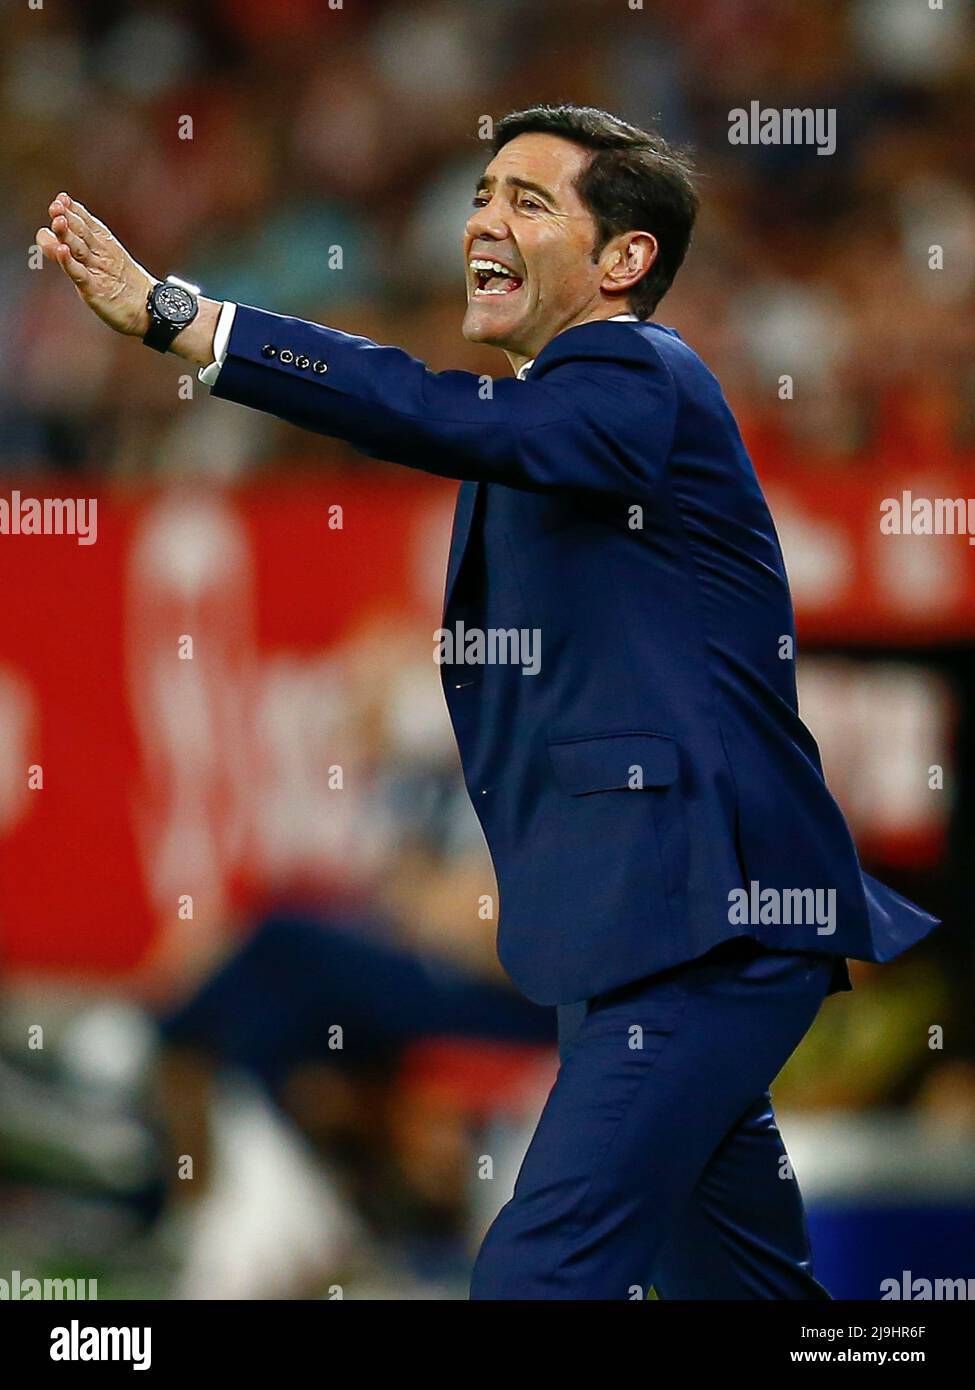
x,y
597,413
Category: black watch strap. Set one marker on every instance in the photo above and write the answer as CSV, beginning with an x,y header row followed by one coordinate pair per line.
x,y
160,333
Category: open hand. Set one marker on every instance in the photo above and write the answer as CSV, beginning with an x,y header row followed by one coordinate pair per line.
x,y
106,277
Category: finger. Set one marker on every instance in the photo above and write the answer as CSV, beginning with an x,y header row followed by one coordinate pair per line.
x,y
48,242
59,205
88,217
75,223
63,206
71,267
79,248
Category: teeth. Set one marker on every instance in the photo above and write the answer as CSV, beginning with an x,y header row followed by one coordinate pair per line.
x,y
495,267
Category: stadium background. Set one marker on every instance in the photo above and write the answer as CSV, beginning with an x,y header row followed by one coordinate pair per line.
x,y
358,128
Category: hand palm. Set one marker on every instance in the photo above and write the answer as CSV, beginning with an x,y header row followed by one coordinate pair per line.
x,y
108,279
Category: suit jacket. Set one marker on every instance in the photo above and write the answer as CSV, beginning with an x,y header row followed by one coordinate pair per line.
x,y
655,769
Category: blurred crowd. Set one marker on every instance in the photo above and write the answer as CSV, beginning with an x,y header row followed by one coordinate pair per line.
x,y
319,160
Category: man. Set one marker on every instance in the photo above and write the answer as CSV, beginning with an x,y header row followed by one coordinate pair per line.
x,y
674,874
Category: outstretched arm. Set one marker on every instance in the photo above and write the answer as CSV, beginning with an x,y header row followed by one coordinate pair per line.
x,y
597,416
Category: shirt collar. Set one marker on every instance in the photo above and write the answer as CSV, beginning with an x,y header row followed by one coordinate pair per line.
x,y
526,367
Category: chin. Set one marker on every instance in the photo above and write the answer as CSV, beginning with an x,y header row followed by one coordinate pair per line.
x,y
480,333
478,328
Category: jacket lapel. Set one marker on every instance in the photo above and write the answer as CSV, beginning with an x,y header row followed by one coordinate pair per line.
x,y
463,516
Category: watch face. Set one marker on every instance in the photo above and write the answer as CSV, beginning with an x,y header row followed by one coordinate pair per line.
x,y
173,303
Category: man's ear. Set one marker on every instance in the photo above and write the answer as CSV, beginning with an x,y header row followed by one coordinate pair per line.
x,y
630,257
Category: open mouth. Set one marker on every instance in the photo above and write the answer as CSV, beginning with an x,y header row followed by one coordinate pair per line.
x,y
493,278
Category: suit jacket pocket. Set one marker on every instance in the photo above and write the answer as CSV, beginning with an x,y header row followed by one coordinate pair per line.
x,y
611,762
638,772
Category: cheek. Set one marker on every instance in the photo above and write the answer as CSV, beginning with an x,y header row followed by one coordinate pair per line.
x,y
563,278
561,269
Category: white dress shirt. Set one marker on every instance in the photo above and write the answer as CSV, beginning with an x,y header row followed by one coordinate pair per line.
x,y
221,337
208,375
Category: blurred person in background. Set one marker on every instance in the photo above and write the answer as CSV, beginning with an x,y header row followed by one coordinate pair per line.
x,y
321,1006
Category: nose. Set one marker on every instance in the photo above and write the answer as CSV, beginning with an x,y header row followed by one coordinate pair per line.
x,y
488,222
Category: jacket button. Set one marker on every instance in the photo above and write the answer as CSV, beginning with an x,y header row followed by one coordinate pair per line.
x,y
302,363
286,355
269,350
319,367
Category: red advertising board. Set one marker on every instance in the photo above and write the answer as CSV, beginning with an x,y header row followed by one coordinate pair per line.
x,y
174,696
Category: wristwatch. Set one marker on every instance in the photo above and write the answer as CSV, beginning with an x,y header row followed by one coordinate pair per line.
x,y
172,304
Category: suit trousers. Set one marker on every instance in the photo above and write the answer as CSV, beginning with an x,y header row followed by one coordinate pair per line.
x,y
657,1162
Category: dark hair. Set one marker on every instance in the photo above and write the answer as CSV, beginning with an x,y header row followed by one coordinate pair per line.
x,y
634,181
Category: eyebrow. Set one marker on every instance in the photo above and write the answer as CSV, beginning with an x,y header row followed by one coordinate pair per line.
x,y
488,181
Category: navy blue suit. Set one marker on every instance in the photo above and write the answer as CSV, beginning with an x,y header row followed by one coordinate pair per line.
x,y
656,764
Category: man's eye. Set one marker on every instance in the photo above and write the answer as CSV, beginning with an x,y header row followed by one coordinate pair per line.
x,y
479,201
531,203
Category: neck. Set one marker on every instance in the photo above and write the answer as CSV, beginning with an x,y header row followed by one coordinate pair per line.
x,y
599,311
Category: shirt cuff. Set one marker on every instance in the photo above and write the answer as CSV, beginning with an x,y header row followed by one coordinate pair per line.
x,y
221,338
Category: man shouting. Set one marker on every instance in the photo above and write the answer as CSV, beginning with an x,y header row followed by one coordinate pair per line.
x,y
674,874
